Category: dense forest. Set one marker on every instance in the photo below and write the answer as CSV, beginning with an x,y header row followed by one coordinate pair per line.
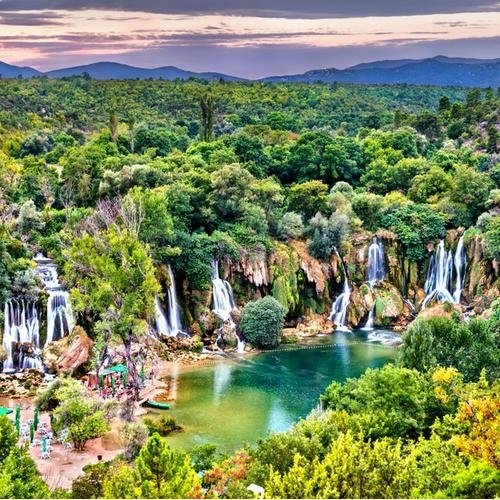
x,y
150,197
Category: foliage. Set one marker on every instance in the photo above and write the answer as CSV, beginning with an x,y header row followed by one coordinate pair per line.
x,y
159,472
415,225
83,417
262,322
438,341
113,279
133,436
19,477
389,401
90,483
162,426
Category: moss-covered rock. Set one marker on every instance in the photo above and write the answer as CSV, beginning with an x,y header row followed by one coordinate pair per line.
x,y
390,308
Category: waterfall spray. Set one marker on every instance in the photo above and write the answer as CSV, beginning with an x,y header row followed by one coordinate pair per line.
x,y
223,304
170,323
376,262
376,273
460,265
338,313
439,282
21,335
60,320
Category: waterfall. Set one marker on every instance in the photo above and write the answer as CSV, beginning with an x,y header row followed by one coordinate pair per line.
x,y
376,262
376,273
460,264
60,320
223,304
223,299
169,324
339,307
439,281
21,326
369,322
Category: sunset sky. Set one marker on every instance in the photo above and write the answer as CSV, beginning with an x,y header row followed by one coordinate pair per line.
x,y
244,38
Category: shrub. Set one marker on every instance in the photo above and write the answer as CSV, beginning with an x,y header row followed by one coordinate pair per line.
x,y
163,426
133,437
291,226
262,322
329,234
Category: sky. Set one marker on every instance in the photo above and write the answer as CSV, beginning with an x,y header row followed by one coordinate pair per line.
x,y
246,38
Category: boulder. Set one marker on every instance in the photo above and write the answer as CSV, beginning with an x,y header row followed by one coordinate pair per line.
x,y
390,308
68,354
361,303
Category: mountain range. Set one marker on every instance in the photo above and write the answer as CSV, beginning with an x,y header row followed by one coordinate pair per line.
x,y
439,70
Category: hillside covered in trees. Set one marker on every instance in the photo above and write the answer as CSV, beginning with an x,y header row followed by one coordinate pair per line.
x,y
140,216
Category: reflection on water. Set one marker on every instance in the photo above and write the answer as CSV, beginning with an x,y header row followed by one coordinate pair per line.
x,y
222,376
235,401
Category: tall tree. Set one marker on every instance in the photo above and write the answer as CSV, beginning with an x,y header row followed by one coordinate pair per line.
x,y
207,118
113,278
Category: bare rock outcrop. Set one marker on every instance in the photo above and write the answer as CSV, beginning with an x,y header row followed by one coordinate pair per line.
x,y
68,354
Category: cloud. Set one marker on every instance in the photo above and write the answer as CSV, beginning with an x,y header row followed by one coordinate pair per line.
x,y
45,18
266,8
272,59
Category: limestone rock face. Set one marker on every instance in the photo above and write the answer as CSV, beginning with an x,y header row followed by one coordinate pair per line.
x,y
315,271
312,325
253,266
69,353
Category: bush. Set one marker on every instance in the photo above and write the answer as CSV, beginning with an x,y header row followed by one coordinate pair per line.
x,y
290,226
469,347
163,426
133,437
389,401
329,234
262,322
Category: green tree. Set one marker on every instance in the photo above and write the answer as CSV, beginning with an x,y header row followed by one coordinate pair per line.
x,y
417,347
415,226
8,437
112,277
438,341
262,322
353,468
308,198
207,119
19,477
159,472
388,401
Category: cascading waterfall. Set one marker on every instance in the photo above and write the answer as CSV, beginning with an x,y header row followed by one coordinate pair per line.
x,y
369,322
376,262
338,313
170,323
460,264
439,282
223,304
376,273
21,330
60,320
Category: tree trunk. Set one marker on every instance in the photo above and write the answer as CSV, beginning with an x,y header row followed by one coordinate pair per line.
x,y
133,385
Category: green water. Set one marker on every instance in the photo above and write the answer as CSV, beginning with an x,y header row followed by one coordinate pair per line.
x,y
234,401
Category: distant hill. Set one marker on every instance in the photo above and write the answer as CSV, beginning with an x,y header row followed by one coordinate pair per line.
x,y
112,70
439,70
10,71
